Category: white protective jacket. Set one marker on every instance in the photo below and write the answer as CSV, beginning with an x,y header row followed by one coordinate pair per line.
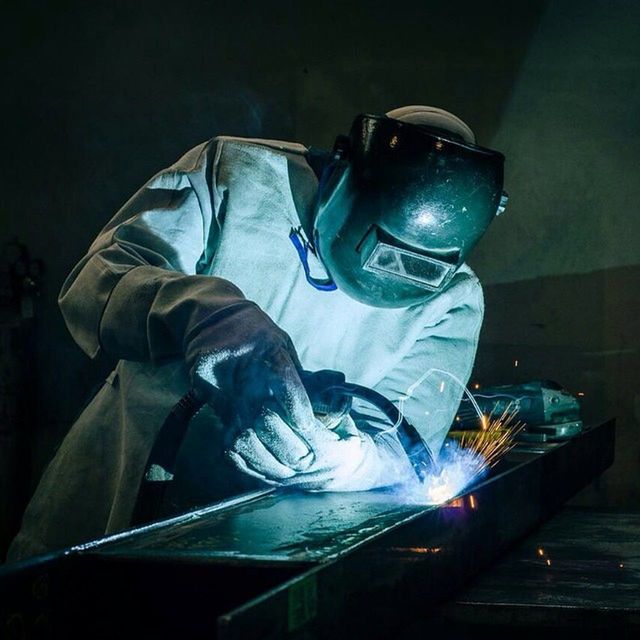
x,y
225,209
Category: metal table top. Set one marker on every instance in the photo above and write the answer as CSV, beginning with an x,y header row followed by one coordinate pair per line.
x,y
582,567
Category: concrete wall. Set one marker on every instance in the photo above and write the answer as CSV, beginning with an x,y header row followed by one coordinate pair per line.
x,y
101,99
562,268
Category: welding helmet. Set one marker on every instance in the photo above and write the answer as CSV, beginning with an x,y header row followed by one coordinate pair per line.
x,y
403,203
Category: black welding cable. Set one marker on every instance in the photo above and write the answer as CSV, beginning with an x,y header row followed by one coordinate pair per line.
x,y
417,450
161,463
160,466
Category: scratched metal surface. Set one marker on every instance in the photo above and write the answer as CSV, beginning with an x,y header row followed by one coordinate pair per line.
x,y
289,526
396,560
583,559
286,526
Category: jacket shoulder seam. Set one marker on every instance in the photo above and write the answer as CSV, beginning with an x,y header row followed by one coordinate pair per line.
x,y
273,145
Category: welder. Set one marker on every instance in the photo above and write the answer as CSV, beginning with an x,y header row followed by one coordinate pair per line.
x,y
248,261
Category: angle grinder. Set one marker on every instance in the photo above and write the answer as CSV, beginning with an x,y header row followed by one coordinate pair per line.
x,y
547,411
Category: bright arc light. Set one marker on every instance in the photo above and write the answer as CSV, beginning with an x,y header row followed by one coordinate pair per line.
x,y
461,463
458,468
465,461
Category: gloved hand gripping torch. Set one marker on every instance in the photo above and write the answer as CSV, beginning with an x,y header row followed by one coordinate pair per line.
x,y
331,399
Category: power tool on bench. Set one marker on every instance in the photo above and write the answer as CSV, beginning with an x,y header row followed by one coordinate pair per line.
x,y
548,412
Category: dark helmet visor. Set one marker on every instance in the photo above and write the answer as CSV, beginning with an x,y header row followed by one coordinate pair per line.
x,y
403,208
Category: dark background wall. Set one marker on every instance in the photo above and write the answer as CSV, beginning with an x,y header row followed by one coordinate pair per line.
x,y
96,100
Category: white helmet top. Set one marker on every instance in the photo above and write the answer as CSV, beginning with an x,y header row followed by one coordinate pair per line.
x,y
433,117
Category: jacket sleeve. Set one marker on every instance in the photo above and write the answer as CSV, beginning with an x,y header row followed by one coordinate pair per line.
x,y
428,383
142,273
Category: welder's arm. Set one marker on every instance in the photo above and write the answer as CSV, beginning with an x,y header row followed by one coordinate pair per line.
x,y
139,294
364,451
442,360
114,299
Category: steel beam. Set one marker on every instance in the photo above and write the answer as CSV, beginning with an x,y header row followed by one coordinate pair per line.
x,y
285,564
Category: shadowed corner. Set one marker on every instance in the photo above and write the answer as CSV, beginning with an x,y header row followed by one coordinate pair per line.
x,y
580,330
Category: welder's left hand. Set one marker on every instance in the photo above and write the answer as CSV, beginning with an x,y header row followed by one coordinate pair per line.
x,y
343,459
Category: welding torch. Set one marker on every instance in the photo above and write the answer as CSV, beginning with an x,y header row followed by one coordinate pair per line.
x,y
330,396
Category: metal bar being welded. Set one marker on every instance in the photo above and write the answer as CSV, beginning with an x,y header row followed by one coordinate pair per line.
x,y
293,564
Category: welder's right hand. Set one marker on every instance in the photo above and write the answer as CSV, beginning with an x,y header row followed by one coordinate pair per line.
x,y
237,355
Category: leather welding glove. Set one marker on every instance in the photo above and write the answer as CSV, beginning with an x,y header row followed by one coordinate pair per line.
x,y
343,459
239,359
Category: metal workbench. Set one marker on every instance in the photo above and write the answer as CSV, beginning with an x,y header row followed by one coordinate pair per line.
x,y
580,572
285,564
